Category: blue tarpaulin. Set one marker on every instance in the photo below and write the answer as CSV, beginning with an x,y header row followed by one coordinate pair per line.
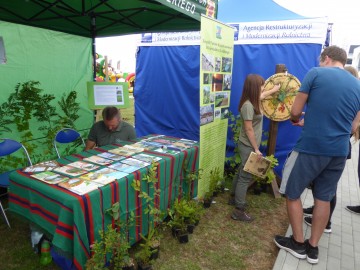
x,y
167,78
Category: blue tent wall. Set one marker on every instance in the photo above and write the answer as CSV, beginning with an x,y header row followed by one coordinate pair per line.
x,y
167,87
167,91
167,78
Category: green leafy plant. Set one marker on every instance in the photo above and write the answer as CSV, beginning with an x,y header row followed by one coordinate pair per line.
x,y
190,176
216,181
235,125
113,246
151,242
28,108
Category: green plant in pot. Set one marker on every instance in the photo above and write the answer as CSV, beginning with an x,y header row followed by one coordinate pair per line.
x,y
216,181
178,226
152,240
113,245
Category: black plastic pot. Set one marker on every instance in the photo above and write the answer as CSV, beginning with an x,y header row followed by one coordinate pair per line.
x,y
207,203
183,237
155,253
190,228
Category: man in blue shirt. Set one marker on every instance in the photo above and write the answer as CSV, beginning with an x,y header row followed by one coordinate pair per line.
x,y
332,99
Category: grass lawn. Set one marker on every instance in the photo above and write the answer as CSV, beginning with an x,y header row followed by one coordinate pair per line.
x,y
218,242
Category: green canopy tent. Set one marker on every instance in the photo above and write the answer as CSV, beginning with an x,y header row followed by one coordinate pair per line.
x,y
103,18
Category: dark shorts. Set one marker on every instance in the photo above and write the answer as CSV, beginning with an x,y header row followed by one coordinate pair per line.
x,y
323,171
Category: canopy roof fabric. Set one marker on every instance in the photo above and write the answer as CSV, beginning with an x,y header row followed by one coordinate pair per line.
x,y
100,18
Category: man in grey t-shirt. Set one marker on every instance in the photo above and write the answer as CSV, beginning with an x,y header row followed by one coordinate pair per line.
x,y
109,130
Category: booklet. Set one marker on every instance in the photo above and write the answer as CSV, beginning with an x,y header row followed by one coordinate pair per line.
x,y
124,167
79,186
42,166
133,148
49,177
83,165
98,160
99,178
135,162
167,151
111,156
146,158
69,170
122,152
257,165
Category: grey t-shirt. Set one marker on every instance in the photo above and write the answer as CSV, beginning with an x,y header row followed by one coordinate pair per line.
x,y
247,113
102,136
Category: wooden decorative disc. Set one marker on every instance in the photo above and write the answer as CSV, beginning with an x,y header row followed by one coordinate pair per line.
x,y
277,107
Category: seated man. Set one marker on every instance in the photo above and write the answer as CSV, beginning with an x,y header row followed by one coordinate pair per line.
x,y
109,130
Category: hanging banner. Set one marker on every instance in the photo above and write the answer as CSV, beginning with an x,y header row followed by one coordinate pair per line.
x,y
281,32
274,32
194,8
216,61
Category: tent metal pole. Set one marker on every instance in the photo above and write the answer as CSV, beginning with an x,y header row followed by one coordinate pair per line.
x,y
93,35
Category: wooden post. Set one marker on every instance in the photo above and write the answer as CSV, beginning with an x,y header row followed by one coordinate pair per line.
x,y
273,130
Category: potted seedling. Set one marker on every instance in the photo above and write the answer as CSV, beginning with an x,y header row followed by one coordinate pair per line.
x,y
112,250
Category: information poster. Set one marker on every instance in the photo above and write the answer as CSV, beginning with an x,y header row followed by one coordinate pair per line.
x,y
216,60
102,94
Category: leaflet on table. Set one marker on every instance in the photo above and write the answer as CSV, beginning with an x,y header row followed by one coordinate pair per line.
x,y
167,150
124,167
152,144
98,178
49,177
83,165
133,148
79,186
122,152
111,156
135,162
146,158
104,176
69,170
143,145
98,160
42,166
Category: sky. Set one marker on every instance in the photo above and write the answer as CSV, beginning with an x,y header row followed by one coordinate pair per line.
x,y
344,14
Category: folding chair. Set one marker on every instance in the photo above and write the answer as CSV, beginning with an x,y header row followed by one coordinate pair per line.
x,y
66,135
8,147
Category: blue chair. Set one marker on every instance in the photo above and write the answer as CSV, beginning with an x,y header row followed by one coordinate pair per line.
x,y
8,147
66,135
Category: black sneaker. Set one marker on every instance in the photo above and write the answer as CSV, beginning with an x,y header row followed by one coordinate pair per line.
x,y
308,211
289,244
327,229
312,253
353,209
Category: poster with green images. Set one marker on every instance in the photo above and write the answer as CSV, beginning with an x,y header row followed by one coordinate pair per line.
x,y
216,58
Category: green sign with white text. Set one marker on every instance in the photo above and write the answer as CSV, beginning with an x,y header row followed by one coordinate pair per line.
x,y
194,8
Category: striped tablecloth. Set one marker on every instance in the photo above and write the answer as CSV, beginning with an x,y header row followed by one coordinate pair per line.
x,y
73,221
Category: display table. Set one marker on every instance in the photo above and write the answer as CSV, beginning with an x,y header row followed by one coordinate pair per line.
x,y
74,221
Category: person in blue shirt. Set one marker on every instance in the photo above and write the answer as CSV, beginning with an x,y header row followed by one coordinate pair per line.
x,y
332,98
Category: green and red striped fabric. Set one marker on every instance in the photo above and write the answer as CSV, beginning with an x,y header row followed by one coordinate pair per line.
x,y
74,221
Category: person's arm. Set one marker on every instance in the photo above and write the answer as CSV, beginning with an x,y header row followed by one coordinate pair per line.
x,y
265,94
297,108
355,125
249,130
89,144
